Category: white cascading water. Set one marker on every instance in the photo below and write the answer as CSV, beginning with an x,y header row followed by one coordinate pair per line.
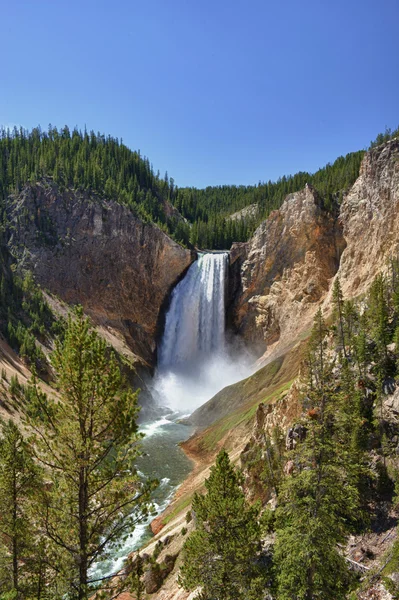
x,y
193,361
195,321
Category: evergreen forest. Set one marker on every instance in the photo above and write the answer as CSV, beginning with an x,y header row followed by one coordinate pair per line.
x,y
107,167
328,482
69,488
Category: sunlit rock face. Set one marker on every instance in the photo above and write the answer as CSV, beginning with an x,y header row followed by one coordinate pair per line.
x,y
98,254
370,219
286,271
288,267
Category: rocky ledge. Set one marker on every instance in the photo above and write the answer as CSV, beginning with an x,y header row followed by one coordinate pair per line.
x,y
285,272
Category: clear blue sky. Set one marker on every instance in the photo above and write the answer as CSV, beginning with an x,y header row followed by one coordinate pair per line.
x,y
213,91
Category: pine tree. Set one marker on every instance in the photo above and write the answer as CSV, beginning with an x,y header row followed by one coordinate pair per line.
x,y
379,325
19,483
338,302
220,556
317,502
88,442
133,580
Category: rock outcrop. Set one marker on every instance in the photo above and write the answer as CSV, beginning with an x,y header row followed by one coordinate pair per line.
x,y
288,266
370,219
286,271
97,253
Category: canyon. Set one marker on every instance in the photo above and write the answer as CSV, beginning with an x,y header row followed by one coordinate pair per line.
x,y
83,249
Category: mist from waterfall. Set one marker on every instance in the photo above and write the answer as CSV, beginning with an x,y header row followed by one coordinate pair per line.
x,y
194,360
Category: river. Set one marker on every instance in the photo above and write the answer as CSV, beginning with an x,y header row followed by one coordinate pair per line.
x,y
164,460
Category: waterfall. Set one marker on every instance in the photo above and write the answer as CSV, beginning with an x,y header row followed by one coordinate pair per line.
x,y
195,321
194,360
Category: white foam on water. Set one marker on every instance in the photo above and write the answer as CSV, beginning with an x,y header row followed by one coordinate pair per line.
x,y
134,541
195,321
194,363
153,428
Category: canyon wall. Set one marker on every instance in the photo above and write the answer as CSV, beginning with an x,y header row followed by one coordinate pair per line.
x,y
97,253
286,270
370,219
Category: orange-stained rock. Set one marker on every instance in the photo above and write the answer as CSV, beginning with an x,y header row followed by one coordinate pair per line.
x,y
370,220
97,253
288,267
156,525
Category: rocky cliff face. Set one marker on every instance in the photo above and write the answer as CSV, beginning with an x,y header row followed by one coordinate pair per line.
x,y
370,219
98,254
277,282
286,270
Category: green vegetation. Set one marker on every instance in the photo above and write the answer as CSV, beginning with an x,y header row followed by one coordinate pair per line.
x,y
92,162
221,554
317,505
84,447
26,319
325,484
20,483
208,209
104,165
72,492
341,457
83,161
179,507
389,134
243,416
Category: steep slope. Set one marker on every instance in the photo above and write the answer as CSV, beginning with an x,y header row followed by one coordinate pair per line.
x,y
286,270
97,253
239,399
370,220
88,161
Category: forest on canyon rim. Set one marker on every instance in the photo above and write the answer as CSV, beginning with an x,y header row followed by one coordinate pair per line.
x,y
67,490
89,161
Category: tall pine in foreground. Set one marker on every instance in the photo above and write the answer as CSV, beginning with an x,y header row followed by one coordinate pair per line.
x,y
220,556
88,442
19,483
317,503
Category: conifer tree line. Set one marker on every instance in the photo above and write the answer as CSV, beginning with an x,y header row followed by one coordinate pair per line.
x,y
382,138
325,486
209,209
104,165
